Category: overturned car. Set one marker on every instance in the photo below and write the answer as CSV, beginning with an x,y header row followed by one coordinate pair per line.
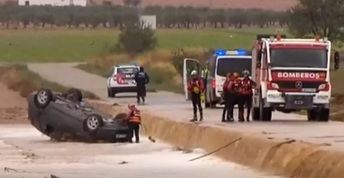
x,y
64,116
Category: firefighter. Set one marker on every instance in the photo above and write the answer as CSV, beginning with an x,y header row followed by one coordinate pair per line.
x,y
236,98
336,60
134,121
196,87
141,79
227,97
246,90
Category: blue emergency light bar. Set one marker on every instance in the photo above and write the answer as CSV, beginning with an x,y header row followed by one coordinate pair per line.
x,y
237,52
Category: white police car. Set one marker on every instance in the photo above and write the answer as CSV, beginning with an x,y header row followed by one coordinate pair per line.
x,y
122,79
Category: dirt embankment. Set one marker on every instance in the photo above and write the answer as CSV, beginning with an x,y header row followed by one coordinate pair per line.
x,y
285,157
13,107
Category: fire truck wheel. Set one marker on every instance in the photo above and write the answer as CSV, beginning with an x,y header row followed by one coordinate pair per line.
x,y
255,114
324,115
265,114
312,115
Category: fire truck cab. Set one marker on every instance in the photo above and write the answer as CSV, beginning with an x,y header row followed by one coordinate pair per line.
x,y
291,75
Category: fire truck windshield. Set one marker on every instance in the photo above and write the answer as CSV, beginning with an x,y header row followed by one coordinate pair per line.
x,y
313,58
226,65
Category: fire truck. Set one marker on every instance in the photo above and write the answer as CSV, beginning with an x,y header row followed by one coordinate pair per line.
x,y
291,75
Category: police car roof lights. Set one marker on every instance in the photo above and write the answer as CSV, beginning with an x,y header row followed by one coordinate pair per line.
x,y
237,52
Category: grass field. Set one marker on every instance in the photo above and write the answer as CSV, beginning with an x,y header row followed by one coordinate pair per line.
x,y
79,45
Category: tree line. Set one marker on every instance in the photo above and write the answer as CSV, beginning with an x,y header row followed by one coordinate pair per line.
x,y
118,16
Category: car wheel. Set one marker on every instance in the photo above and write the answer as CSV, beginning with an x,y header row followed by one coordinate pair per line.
x,y
74,94
43,98
121,116
110,93
93,123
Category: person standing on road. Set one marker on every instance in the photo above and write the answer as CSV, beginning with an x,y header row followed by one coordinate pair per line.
x,y
141,79
196,87
236,97
227,96
134,121
336,60
247,93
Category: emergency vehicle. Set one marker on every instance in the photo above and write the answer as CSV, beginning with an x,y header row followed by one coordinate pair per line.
x,y
214,73
121,79
291,74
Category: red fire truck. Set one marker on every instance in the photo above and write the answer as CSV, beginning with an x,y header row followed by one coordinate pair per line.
x,y
291,75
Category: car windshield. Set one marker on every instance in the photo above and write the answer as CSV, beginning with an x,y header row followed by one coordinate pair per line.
x,y
230,65
127,70
313,58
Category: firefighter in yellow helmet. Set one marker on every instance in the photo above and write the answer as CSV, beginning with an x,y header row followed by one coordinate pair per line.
x,y
196,88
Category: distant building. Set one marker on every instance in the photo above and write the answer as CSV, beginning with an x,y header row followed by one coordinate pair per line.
x,y
148,21
52,2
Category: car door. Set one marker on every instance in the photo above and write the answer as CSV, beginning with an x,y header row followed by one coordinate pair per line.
x,y
188,66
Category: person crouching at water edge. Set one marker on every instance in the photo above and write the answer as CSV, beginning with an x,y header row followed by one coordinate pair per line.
x,y
196,87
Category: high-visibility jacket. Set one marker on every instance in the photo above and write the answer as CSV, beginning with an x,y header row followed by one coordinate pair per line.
x,y
196,85
135,116
247,85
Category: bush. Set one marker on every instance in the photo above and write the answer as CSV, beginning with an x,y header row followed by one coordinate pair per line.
x,y
135,39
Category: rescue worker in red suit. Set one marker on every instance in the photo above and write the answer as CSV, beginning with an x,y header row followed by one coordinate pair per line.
x,y
247,93
227,96
235,90
134,121
196,87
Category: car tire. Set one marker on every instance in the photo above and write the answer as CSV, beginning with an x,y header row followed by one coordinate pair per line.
x,y
110,93
92,123
121,116
42,98
74,95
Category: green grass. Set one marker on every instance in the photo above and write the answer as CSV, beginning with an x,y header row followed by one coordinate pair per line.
x,y
79,45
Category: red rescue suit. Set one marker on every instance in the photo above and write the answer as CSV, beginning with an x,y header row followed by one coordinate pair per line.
x,y
235,88
196,87
247,86
134,124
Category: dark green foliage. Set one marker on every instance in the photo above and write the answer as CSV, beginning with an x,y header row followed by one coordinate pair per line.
x,y
118,16
318,17
136,38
